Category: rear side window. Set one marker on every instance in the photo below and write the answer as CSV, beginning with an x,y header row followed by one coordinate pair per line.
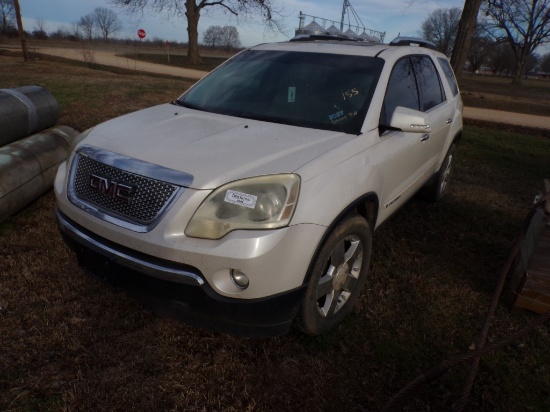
x,y
448,71
429,83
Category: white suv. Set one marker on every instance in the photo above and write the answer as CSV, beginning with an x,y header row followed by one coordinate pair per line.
x,y
249,203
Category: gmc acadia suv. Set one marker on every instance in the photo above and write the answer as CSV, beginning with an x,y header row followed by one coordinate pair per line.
x,y
249,202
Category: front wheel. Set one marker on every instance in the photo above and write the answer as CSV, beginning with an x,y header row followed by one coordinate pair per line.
x,y
338,276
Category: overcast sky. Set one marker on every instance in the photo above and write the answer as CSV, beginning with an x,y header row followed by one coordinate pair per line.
x,y
390,16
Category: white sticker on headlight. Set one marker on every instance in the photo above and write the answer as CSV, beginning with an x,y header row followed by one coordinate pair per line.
x,y
240,198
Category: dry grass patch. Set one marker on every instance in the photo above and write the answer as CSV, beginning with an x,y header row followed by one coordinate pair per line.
x,y
532,97
87,96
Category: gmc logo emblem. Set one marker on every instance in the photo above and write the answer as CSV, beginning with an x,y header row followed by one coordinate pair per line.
x,y
120,191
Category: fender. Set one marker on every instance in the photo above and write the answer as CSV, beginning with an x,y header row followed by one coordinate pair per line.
x,y
366,206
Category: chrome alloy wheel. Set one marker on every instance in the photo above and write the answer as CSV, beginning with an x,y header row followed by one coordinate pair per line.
x,y
340,277
446,174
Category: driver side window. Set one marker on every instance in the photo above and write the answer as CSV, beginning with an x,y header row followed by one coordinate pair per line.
x,y
402,90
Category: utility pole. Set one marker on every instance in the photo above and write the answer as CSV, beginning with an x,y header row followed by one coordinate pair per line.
x,y
344,9
21,31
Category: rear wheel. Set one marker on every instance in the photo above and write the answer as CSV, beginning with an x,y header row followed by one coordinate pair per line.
x,y
339,274
435,191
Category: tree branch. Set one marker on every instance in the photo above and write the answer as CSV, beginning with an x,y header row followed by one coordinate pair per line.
x,y
204,3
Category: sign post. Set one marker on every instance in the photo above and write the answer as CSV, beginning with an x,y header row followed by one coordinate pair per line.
x,y
141,34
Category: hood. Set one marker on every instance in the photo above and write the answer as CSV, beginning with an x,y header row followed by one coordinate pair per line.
x,y
214,149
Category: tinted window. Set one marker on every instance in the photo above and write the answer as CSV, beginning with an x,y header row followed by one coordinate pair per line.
x,y
401,91
429,83
304,89
448,71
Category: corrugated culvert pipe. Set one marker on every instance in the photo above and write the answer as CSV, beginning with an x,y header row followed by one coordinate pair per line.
x,y
28,167
24,111
31,149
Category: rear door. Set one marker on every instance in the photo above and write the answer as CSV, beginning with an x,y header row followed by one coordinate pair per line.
x,y
434,104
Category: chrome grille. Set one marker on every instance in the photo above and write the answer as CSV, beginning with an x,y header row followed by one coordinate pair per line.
x,y
123,190
143,207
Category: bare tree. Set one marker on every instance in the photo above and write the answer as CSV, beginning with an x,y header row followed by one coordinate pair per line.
x,y
230,37
212,36
192,9
7,16
466,31
545,63
440,27
477,55
39,29
106,21
500,58
87,25
74,31
533,63
39,24
20,30
525,25
60,33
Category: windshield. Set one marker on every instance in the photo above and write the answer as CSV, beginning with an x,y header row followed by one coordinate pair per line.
x,y
323,91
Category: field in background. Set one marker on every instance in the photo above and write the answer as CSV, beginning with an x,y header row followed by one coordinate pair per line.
x,y
532,97
69,342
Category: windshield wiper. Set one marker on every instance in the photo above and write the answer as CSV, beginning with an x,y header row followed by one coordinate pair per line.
x,y
187,105
266,119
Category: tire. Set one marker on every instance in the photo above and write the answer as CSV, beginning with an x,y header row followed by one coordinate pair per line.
x,y
338,275
435,191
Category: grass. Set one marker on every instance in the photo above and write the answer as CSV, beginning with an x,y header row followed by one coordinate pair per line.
x,y
532,97
88,97
208,63
69,342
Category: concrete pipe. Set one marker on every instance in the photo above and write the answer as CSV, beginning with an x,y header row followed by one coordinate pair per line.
x,y
28,167
25,110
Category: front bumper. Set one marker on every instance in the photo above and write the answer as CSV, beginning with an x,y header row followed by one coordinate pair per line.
x,y
179,290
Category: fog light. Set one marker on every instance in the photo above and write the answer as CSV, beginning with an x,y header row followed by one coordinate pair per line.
x,y
240,279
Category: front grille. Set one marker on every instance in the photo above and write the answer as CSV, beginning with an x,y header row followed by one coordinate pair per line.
x,y
142,208
122,190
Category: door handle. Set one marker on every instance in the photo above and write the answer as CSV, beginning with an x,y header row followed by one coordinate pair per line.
x,y
424,137
449,120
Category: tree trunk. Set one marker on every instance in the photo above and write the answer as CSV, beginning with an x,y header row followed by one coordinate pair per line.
x,y
192,12
20,29
466,31
520,67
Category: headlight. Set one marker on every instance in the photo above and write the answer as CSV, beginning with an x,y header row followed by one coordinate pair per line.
x,y
265,202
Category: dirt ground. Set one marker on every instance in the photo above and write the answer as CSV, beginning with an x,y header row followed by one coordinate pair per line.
x,y
110,58
497,116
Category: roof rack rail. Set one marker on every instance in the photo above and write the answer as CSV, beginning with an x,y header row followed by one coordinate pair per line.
x,y
412,41
313,37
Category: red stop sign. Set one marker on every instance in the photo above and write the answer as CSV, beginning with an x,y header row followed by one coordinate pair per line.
x,y
141,33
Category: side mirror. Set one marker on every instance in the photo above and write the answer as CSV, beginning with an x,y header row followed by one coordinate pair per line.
x,y
409,120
